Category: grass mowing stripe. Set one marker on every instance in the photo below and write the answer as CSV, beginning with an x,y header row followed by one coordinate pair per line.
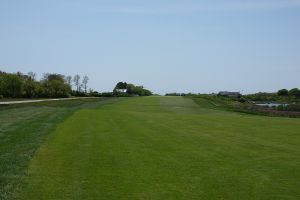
x,y
153,148
23,128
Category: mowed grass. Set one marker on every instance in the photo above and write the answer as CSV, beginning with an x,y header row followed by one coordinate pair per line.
x,y
23,128
167,148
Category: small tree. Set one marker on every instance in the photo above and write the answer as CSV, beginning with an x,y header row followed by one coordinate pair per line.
x,y
32,75
30,85
69,80
283,92
76,81
85,82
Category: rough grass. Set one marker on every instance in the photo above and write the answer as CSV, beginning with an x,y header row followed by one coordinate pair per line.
x,y
167,148
227,104
23,128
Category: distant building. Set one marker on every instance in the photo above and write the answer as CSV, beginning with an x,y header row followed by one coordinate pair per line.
x,y
121,90
229,94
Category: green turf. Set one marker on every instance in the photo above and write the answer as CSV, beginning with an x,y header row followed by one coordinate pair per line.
x,y
23,128
167,148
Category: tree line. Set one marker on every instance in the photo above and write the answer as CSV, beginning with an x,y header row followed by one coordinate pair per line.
x,y
281,95
295,92
51,85
128,89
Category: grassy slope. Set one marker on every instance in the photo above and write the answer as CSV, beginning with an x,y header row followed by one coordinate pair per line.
x,y
167,148
216,102
227,104
23,128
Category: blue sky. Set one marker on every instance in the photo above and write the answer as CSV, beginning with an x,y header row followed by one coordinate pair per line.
x,y
165,45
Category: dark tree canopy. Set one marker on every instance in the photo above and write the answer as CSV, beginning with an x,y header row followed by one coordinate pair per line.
x,y
55,85
11,85
295,92
121,85
283,92
131,90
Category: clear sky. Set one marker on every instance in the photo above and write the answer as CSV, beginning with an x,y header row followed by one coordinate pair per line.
x,y
165,45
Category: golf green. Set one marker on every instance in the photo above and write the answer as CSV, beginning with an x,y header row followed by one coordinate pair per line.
x,y
166,148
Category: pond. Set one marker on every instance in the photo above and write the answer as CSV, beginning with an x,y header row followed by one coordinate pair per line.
x,y
271,104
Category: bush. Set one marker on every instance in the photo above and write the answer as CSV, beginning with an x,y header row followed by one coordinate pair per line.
x,y
107,94
242,100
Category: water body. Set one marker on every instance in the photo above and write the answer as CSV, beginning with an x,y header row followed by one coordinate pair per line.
x,y
272,104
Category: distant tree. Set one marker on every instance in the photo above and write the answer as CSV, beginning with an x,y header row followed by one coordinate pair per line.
x,y
32,75
173,94
30,85
53,77
76,81
69,80
138,90
130,89
107,94
15,85
39,90
2,83
55,86
295,92
30,88
11,85
85,82
262,96
121,85
146,93
283,92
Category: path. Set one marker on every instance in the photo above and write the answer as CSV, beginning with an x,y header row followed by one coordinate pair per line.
x,y
42,100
